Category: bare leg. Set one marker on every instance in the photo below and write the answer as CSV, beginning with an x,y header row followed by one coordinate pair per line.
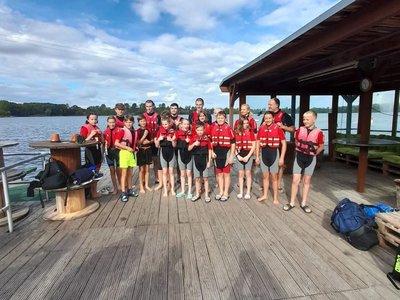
x,y
141,182
206,186
114,179
275,188
220,178
189,176
183,181
146,177
129,173
155,169
295,188
198,185
249,179
241,175
172,180
306,189
227,183
265,187
280,175
123,179
165,181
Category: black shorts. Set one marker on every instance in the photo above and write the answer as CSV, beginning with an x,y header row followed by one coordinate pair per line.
x,y
144,157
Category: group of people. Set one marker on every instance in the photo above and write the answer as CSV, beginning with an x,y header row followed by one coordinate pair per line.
x,y
190,146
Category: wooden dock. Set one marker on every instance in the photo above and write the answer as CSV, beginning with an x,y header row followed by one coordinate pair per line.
x,y
157,248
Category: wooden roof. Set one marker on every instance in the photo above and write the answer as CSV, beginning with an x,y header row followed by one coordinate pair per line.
x,y
330,55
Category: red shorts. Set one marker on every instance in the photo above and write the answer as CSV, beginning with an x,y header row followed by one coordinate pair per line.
x,y
226,169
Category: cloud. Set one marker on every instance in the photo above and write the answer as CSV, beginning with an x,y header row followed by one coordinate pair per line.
x,y
293,14
190,15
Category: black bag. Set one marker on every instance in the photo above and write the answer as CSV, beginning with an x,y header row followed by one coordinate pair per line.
x,y
54,175
81,175
363,238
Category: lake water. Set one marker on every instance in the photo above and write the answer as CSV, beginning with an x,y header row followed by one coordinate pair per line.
x,y
26,129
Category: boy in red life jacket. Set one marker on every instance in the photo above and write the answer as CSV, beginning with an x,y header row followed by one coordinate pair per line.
x,y
269,140
112,153
245,112
194,116
126,142
153,120
309,143
185,161
173,114
119,115
223,143
144,154
166,141
93,155
200,146
245,142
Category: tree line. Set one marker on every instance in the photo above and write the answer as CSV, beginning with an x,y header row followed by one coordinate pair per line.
x,y
11,109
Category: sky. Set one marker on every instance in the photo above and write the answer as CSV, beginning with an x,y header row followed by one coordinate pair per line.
x,y
94,52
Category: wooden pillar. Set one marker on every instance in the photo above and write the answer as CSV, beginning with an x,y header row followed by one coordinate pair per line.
x,y
232,98
395,112
304,106
242,100
364,125
332,125
293,114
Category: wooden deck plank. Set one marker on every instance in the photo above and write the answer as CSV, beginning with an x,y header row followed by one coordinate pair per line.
x,y
191,281
175,264
24,272
183,215
136,210
206,273
115,213
163,213
128,278
105,212
90,219
154,210
173,217
159,278
144,214
146,268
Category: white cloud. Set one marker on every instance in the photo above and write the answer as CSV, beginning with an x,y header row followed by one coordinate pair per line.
x,y
152,94
191,15
293,14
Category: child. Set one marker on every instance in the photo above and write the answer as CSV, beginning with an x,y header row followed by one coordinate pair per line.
x,y
112,153
245,112
270,137
309,143
185,163
204,119
166,141
126,142
93,155
144,154
200,146
245,147
223,142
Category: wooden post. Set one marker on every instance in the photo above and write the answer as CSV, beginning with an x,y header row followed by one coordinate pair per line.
x,y
332,125
395,112
364,125
242,100
304,106
232,97
293,114
349,100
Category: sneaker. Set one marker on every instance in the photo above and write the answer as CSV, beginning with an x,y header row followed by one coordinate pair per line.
x,y
208,199
180,195
218,197
239,196
247,196
132,193
189,196
124,197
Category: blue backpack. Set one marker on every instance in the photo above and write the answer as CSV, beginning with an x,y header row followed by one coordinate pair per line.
x,y
348,216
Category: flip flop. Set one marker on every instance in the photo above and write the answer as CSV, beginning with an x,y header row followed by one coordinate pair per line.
x,y
288,207
306,209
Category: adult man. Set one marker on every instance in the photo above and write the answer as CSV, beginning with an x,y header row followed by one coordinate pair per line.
x,y
174,110
194,116
153,121
285,122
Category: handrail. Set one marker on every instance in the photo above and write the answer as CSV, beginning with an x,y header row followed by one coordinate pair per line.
x,y
7,207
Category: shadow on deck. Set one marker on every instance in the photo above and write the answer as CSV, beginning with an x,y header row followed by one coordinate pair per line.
x,y
154,247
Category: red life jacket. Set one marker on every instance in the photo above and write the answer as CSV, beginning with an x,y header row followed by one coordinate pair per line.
x,y
278,116
307,141
119,123
195,118
244,140
178,118
170,132
182,135
110,136
98,136
269,136
139,135
221,135
152,123
129,139
252,124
